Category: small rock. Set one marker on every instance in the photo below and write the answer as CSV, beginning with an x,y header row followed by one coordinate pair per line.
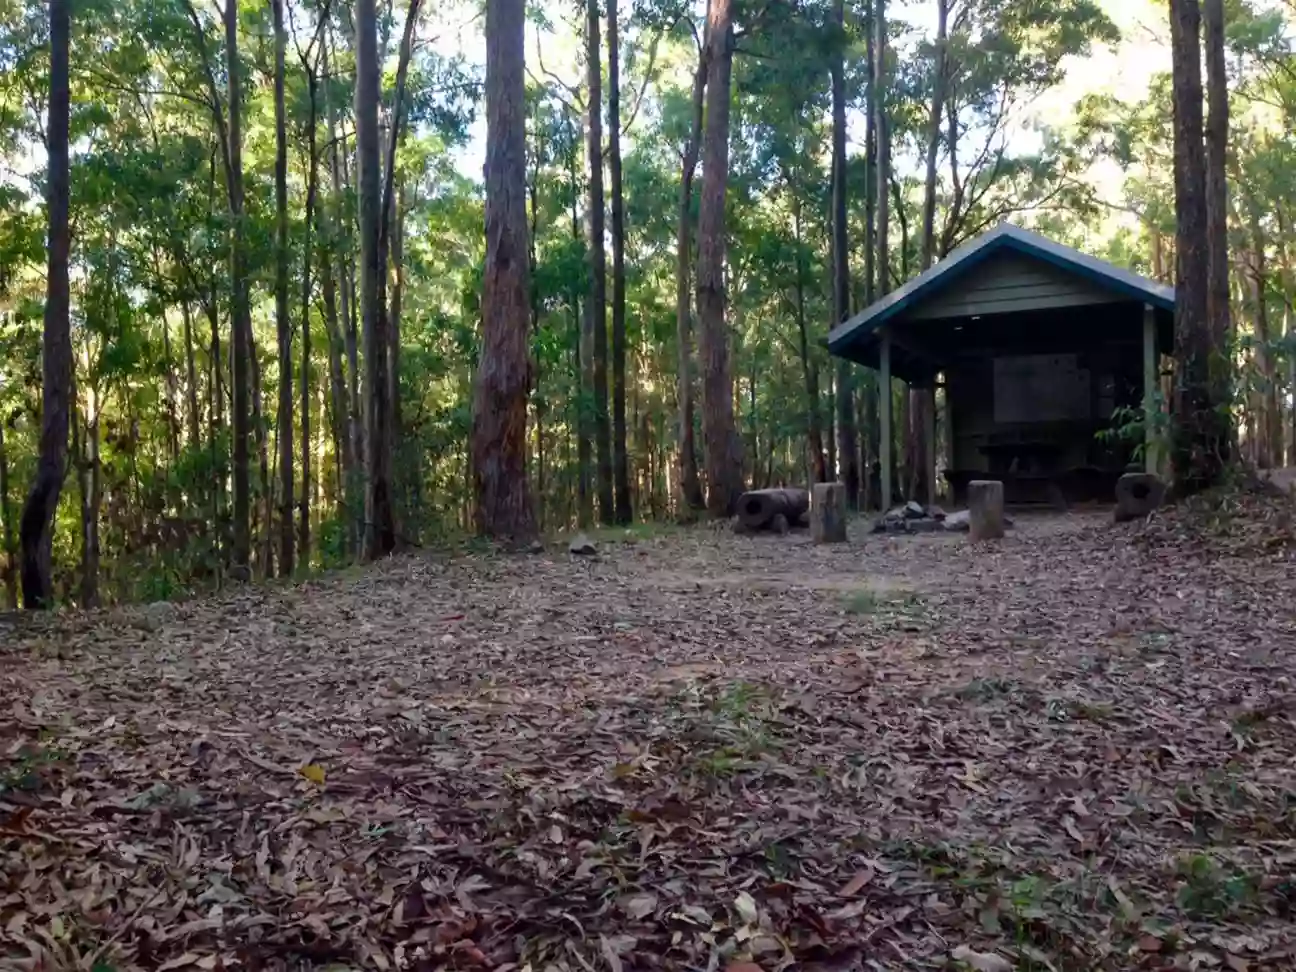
x,y
913,511
959,522
780,525
536,547
582,546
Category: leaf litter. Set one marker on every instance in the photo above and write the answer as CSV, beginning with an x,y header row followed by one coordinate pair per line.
x,y
1069,750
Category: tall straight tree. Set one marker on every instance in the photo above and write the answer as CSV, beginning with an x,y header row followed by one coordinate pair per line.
x,y
1200,421
848,444
882,210
380,523
240,304
1217,198
923,400
620,457
596,304
36,530
690,484
503,372
722,447
283,324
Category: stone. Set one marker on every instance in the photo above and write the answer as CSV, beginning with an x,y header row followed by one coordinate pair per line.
x,y
985,509
582,546
828,513
914,511
959,522
1137,495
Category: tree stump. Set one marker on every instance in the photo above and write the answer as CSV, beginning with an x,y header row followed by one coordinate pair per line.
x,y
828,513
1137,495
985,509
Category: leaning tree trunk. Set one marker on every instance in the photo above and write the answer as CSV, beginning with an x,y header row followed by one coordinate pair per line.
x,y
690,484
596,305
36,529
502,380
1200,425
724,464
621,459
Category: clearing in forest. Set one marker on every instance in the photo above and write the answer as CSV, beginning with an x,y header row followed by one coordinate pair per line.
x,y
1072,749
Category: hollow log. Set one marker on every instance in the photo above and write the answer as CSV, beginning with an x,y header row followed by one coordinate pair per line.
x,y
757,509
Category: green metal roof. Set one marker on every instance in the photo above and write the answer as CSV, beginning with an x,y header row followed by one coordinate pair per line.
x,y
1004,238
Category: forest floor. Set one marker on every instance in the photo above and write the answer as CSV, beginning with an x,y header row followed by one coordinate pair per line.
x,y
1072,749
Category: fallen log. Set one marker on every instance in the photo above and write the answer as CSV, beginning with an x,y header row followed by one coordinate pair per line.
x,y
757,509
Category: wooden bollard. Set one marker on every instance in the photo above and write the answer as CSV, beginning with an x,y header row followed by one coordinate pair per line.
x,y
828,513
985,509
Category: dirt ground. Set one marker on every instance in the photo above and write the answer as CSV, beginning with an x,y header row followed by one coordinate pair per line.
x,y
1072,749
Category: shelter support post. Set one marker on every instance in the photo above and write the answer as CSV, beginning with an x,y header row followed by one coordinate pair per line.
x,y
1151,406
929,436
949,432
884,418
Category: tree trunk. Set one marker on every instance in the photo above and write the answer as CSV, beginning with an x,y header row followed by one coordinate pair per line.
x,y
265,516
403,475
848,446
240,309
312,193
349,417
172,391
1200,424
1270,412
379,527
91,500
283,325
391,243
1217,134
339,402
723,449
596,305
882,184
191,378
502,380
690,485
621,458
10,568
933,135
809,371
36,529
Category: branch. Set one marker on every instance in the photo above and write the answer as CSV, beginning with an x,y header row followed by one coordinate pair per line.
x,y
652,60
218,113
577,105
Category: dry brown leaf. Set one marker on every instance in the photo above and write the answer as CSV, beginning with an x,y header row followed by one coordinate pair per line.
x,y
857,883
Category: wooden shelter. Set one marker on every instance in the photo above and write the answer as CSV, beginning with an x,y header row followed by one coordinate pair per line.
x,y
1036,345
